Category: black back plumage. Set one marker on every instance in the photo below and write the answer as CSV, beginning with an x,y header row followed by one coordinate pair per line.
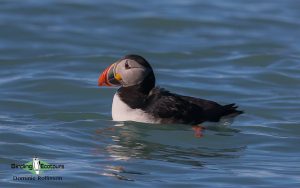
x,y
174,108
169,107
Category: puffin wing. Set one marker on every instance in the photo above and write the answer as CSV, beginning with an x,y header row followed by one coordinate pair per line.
x,y
214,111
174,108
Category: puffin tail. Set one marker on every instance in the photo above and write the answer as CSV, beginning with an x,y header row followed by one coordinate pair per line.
x,y
230,110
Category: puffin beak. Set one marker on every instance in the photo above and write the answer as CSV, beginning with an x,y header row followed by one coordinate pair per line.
x,y
109,77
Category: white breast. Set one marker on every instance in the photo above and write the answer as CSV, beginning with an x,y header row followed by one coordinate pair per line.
x,y
122,112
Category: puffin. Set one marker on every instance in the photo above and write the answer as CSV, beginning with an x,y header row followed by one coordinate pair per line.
x,y
139,99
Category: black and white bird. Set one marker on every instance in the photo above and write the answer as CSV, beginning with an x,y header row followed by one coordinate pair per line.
x,y
138,99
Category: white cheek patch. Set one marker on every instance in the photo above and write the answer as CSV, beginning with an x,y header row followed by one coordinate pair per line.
x,y
134,76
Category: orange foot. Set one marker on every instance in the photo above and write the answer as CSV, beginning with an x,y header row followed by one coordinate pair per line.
x,y
198,130
100,131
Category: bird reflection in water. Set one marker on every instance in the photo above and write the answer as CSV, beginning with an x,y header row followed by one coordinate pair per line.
x,y
123,143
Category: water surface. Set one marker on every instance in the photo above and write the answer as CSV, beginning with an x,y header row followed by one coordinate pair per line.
x,y
52,52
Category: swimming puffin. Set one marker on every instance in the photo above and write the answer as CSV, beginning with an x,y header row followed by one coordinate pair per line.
x,y
138,99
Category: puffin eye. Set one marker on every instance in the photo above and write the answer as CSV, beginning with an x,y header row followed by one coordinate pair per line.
x,y
127,65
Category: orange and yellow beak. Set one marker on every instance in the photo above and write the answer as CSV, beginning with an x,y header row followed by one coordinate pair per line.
x,y
109,77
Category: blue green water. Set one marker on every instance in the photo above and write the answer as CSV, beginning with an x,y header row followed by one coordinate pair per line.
x,y
247,52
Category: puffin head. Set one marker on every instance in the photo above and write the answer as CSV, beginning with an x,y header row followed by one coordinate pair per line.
x,y
131,70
